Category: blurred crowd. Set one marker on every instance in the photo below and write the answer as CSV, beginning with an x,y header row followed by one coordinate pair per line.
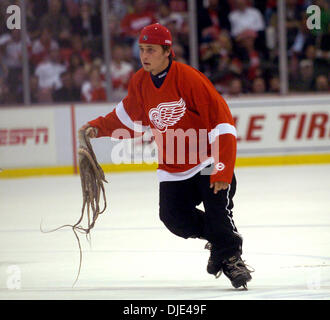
x,y
238,46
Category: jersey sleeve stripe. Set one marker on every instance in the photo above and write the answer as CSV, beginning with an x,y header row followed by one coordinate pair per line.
x,y
220,129
127,121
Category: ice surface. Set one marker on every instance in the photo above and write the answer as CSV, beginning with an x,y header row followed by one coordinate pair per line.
x,y
283,214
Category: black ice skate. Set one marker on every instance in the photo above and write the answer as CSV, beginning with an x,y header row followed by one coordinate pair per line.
x,y
236,270
214,265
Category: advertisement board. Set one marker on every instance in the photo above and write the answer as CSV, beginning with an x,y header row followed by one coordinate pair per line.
x,y
284,130
27,137
46,136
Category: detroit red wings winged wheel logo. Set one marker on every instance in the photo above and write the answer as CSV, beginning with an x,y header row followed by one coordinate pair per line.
x,y
167,114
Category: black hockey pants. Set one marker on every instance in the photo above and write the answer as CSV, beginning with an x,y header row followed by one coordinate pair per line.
x,y
177,210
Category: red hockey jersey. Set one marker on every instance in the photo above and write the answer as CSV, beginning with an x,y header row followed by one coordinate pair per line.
x,y
191,122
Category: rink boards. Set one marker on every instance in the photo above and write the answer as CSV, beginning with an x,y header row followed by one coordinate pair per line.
x,y
270,131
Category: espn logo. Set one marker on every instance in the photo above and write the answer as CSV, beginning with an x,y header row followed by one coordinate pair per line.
x,y
20,136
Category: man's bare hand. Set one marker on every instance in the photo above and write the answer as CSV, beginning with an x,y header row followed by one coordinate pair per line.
x,y
218,186
90,131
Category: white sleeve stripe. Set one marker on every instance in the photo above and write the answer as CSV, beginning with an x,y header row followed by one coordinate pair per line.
x,y
220,129
127,121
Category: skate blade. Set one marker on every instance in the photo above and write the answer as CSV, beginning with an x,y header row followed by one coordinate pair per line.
x,y
241,286
241,283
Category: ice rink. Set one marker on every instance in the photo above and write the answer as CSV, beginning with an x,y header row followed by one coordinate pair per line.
x,y
283,214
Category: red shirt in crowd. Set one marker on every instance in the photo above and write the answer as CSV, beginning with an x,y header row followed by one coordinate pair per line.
x,y
133,23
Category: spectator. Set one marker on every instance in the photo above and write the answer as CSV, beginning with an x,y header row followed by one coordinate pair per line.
x,y
128,54
293,21
235,87
37,94
303,39
218,12
75,62
271,6
68,92
322,84
251,57
93,90
321,64
76,46
208,31
115,30
3,67
45,95
42,47
212,19
247,30
310,52
179,35
55,20
34,89
119,8
48,72
244,19
258,85
72,7
228,69
305,81
166,16
134,22
6,97
274,84
210,52
178,26
121,72
11,47
249,21
3,8
179,53
178,5
78,69
39,8
32,23
87,23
